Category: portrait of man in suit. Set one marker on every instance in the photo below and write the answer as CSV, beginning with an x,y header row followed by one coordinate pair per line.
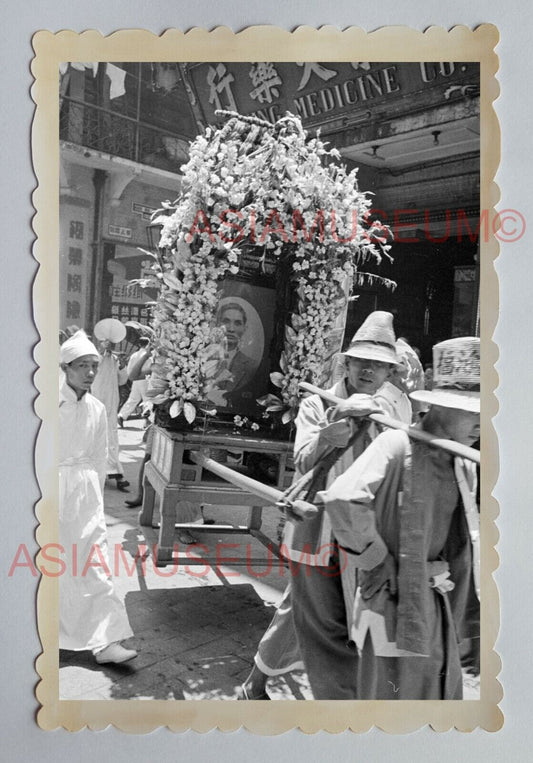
x,y
238,356
232,316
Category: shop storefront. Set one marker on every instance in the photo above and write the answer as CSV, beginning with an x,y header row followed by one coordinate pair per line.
x,y
411,129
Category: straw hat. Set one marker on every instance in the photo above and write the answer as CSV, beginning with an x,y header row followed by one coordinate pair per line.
x,y
456,375
374,340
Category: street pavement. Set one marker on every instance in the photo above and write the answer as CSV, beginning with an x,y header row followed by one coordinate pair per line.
x,y
196,628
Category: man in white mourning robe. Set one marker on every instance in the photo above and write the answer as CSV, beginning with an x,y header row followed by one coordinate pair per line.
x,y
91,615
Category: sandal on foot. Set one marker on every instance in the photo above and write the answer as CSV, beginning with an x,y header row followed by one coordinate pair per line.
x,y
243,694
116,653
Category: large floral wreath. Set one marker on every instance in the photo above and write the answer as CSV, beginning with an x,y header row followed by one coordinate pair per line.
x,y
250,184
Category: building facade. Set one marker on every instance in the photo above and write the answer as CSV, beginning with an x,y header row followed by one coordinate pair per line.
x,y
123,139
411,128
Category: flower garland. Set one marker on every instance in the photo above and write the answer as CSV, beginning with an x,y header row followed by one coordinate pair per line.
x,y
253,184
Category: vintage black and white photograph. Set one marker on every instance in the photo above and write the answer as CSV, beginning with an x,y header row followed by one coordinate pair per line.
x,y
269,367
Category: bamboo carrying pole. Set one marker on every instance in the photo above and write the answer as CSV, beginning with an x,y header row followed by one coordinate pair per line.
x,y
455,448
273,496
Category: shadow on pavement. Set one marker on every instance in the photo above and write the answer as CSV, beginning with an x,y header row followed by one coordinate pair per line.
x,y
193,643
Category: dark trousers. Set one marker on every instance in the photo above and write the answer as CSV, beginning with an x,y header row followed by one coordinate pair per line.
x,y
319,618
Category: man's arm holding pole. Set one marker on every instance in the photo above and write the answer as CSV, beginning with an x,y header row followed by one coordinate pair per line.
x,y
455,448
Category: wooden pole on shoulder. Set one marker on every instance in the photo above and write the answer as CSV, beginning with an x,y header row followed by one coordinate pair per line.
x,y
272,496
455,448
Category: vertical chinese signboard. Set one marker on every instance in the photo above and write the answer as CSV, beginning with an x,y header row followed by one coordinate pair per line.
x,y
74,261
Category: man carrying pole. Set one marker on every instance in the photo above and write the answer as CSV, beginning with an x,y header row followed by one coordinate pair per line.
x,y
328,440
405,518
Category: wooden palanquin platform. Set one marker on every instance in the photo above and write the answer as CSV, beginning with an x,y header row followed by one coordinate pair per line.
x,y
172,476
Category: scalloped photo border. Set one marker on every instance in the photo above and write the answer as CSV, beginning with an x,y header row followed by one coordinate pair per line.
x,y
256,43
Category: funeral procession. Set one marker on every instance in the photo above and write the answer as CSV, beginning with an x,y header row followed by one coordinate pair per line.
x,y
269,381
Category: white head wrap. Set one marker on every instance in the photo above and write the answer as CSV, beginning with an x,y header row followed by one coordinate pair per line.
x,y
78,345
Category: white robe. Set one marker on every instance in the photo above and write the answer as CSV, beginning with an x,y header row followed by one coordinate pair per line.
x,y
90,613
105,388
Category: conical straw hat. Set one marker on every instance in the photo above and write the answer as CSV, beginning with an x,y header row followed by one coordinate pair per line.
x,y
374,339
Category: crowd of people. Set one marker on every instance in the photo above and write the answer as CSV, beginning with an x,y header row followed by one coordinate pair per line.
x,y
383,598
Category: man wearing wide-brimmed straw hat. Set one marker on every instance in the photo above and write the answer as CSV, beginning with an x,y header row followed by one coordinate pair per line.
x,y
405,518
328,440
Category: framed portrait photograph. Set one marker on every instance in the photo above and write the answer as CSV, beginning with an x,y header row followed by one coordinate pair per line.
x,y
248,314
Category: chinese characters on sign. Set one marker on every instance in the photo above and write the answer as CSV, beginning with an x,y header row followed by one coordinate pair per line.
x,y
317,69
265,79
73,283
128,300
118,230
75,255
76,229
126,291
143,210
219,82
74,273
314,90
126,312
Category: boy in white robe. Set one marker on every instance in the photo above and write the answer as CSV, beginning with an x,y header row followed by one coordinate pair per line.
x,y
91,616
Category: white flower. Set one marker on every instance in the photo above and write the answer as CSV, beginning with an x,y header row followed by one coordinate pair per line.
x,y
285,172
